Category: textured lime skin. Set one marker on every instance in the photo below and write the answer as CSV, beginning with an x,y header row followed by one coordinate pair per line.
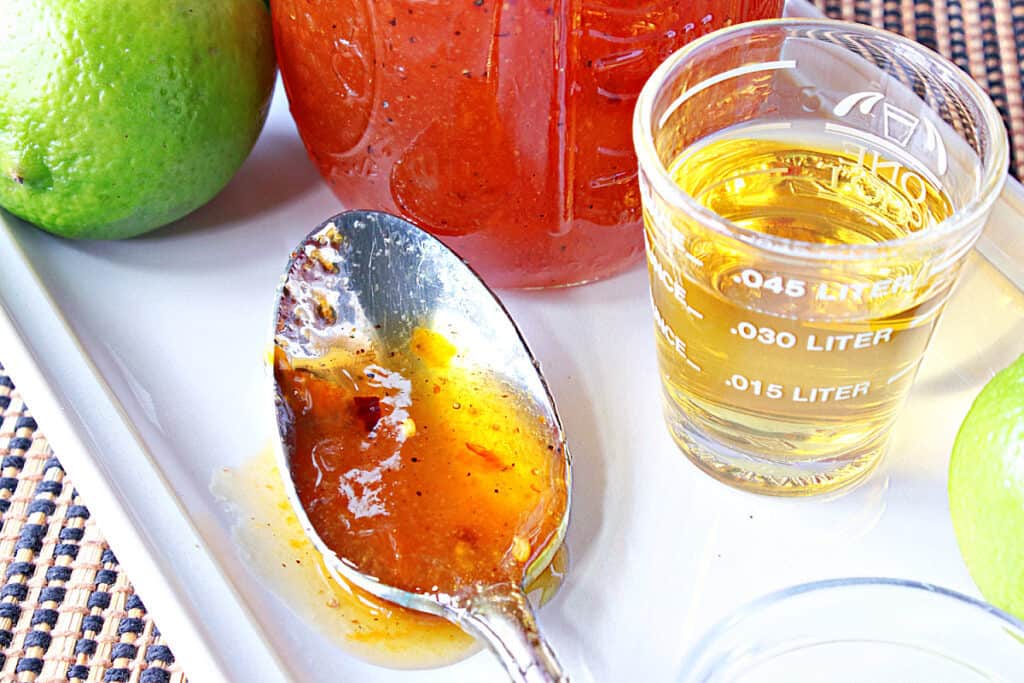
x,y
986,489
117,117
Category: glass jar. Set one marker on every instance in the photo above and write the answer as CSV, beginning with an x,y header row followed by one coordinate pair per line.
x,y
503,127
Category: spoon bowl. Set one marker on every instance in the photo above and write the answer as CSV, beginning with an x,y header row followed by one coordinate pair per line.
x,y
367,279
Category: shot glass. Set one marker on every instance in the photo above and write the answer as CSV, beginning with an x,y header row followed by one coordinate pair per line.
x,y
810,189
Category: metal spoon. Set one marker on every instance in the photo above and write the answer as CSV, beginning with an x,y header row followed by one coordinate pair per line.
x,y
366,277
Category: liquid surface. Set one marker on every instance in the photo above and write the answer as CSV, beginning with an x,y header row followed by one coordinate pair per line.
x,y
788,380
502,126
421,472
808,189
279,552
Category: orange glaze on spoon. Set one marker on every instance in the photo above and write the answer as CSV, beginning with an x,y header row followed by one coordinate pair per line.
x,y
281,554
419,471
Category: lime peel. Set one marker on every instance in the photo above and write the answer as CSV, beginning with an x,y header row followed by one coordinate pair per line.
x,y
986,489
119,117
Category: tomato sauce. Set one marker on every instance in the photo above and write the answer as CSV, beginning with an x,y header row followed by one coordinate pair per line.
x,y
503,126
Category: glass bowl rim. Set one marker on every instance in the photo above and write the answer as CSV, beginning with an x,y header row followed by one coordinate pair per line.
x,y
757,605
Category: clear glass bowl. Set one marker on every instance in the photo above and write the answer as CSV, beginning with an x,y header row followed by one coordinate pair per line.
x,y
861,629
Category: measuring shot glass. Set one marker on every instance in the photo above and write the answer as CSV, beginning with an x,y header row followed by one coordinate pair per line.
x,y
810,189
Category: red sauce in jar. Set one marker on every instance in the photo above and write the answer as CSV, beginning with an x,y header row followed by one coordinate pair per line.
x,y
503,126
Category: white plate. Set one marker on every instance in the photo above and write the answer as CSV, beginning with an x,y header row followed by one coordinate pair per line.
x,y
143,361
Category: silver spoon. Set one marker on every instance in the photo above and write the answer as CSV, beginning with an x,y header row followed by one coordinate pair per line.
x,y
369,278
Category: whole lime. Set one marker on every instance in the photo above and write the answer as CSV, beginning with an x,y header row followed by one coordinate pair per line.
x,y
118,117
986,489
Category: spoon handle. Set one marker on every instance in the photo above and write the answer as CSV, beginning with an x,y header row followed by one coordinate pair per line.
x,y
501,616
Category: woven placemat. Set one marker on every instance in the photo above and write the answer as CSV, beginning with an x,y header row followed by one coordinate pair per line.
x,y
67,611
985,38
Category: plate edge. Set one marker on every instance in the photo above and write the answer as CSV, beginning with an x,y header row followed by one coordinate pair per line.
x,y
78,448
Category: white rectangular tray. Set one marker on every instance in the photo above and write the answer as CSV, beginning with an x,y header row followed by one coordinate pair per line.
x,y
143,362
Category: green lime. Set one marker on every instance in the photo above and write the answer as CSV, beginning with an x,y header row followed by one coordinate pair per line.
x,y
986,489
117,117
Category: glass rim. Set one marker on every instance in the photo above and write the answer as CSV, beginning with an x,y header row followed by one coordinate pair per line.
x,y
756,606
995,164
